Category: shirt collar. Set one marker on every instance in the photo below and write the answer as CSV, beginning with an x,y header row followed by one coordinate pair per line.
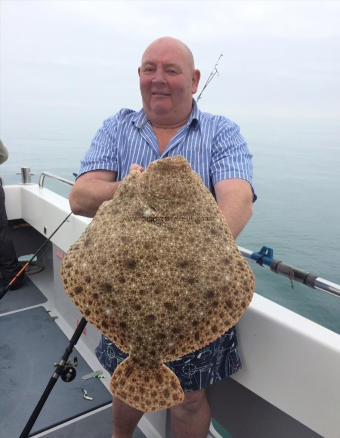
x,y
140,118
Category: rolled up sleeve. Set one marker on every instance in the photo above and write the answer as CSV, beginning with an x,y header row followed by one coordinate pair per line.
x,y
102,154
231,158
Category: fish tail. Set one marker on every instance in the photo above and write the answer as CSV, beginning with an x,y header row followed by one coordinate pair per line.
x,y
147,390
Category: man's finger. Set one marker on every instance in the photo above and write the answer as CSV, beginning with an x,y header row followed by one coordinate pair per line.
x,y
136,167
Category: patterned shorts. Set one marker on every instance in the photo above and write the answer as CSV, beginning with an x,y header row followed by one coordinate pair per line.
x,y
195,371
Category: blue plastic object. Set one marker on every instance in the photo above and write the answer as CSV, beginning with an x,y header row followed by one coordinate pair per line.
x,y
264,257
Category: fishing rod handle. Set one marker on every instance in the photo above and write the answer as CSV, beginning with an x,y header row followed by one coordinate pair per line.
x,y
293,273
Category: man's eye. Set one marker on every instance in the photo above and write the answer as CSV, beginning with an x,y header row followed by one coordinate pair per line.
x,y
172,71
148,69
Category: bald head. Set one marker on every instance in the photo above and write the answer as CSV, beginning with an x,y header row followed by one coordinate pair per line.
x,y
166,43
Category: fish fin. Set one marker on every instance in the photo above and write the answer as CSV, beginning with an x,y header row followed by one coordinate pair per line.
x,y
147,390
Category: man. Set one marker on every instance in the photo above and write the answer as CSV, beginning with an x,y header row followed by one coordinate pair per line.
x,y
9,265
170,124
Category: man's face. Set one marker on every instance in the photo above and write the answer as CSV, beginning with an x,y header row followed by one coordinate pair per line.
x,y
167,83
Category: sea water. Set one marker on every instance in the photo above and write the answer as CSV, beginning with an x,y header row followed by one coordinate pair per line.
x,y
297,214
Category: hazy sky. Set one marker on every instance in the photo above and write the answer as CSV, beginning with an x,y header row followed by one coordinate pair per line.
x,y
66,65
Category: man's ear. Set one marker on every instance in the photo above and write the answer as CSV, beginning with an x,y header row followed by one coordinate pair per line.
x,y
195,80
138,71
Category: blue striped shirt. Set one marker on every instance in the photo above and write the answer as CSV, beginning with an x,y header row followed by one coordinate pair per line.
x,y
212,144
217,151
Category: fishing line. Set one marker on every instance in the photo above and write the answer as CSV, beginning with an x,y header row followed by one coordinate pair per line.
x,y
27,264
213,73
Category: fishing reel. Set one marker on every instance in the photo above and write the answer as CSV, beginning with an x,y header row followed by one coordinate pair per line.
x,y
67,370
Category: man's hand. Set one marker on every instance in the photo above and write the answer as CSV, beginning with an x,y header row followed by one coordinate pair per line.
x,y
136,167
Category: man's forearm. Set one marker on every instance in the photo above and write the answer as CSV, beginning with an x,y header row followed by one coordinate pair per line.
x,y
88,195
237,217
234,198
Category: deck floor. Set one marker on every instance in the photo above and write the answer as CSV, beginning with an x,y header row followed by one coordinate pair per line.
x,y
30,344
98,425
28,295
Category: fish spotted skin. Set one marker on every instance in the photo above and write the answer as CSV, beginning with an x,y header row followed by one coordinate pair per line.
x,y
158,272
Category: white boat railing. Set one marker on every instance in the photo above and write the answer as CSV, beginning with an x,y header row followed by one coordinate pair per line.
x,y
43,175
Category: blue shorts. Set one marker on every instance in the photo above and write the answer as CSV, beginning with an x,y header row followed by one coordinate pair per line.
x,y
196,370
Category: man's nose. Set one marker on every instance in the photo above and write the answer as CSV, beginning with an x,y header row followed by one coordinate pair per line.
x,y
158,75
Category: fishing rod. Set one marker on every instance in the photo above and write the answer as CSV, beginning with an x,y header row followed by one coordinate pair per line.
x,y
64,370
27,264
213,73
265,257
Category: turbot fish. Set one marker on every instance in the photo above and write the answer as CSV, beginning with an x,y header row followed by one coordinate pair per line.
x,y
158,272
